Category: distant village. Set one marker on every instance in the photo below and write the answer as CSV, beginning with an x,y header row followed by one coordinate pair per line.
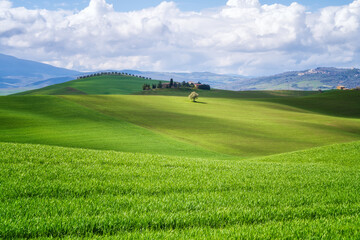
x,y
340,87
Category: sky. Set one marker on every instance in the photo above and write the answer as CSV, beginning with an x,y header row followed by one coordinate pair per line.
x,y
184,5
246,37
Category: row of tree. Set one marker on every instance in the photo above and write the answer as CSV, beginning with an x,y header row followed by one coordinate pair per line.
x,y
112,73
204,87
173,84
154,86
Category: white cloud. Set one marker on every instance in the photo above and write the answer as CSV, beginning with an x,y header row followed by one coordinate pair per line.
x,y
241,37
243,3
5,4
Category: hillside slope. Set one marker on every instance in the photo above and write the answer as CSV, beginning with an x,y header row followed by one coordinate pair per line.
x,y
244,127
75,193
346,154
125,84
55,121
106,84
335,103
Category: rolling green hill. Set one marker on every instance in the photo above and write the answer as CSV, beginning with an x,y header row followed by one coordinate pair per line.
x,y
55,121
153,165
106,84
173,125
335,103
241,127
124,85
73,193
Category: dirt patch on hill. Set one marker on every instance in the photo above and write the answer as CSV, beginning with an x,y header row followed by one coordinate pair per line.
x,y
69,91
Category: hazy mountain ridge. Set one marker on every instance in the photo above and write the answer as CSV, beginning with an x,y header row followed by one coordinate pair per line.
x,y
312,79
18,75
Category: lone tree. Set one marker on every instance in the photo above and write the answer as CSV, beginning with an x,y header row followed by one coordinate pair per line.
x,y
193,96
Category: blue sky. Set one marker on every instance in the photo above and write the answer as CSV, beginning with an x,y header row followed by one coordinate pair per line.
x,y
236,37
185,5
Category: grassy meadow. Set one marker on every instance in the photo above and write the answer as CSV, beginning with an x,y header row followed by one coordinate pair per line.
x,y
105,84
240,127
52,120
99,158
64,192
124,85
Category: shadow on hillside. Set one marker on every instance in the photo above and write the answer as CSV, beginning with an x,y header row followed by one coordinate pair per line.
x,y
200,102
335,103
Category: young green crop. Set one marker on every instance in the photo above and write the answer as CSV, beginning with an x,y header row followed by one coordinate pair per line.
x,y
194,182
55,121
241,127
211,128
61,192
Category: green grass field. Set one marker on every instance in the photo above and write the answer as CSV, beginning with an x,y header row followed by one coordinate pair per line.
x,y
61,192
106,84
240,127
123,85
148,165
52,120
215,127
217,93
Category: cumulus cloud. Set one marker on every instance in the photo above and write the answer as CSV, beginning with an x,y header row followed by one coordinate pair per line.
x,y
242,37
243,3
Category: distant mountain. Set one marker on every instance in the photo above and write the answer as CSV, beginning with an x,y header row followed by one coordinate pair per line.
x,y
313,79
20,73
50,81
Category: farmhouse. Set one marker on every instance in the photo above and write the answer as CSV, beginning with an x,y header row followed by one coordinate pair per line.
x,y
165,85
341,88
